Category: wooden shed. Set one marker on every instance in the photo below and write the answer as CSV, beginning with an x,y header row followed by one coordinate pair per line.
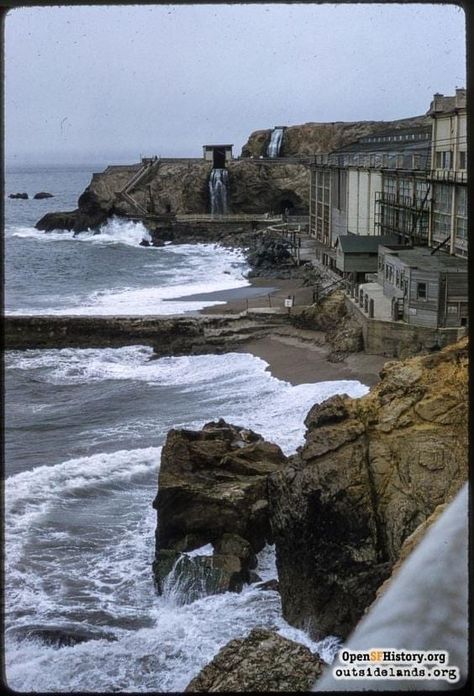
x,y
357,255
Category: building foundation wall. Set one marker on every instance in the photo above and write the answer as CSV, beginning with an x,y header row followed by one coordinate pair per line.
x,y
395,339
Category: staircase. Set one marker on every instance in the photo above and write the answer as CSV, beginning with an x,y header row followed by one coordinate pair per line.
x,y
124,193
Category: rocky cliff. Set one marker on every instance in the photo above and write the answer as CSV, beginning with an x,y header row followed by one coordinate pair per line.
x,y
312,138
182,187
370,472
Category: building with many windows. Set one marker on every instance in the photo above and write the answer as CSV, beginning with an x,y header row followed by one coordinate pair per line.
x,y
376,186
408,182
448,175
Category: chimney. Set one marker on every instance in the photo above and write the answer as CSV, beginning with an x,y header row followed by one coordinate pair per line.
x,y
460,102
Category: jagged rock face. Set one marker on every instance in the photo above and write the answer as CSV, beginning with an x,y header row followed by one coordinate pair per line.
x,y
371,470
213,490
264,662
179,187
182,187
409,545
330,315
313,138
259,187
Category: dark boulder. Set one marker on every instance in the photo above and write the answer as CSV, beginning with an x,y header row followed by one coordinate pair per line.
x,y
22,196
267,252
75,220
43,194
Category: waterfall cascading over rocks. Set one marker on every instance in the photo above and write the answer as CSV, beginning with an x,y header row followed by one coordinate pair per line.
x,y
273,149
219,191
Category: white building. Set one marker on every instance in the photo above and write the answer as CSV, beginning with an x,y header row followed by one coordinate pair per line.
x,y
448,224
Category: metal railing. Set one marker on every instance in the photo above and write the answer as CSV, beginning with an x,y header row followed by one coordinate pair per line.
x,y
449,176
396,160
243,217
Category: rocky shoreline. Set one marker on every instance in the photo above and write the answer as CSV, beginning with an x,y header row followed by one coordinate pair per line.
x,y
343,512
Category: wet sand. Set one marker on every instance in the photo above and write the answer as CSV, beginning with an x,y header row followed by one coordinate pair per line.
x,y
289,358
301,364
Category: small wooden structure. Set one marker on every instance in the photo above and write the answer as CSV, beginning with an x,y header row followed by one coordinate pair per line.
x,y
357,254
219,155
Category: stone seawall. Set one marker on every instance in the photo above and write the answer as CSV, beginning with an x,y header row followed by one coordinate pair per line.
x,y
173,335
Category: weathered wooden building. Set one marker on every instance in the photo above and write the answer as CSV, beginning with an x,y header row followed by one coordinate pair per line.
x,y
356,255
425,288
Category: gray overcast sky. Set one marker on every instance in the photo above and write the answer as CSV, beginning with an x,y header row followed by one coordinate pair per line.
x,y
108,83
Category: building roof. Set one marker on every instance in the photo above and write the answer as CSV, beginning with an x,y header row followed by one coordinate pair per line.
x,y
227,145
364,244
424,259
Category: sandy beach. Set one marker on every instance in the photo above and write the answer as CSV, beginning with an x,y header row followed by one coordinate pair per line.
x,y
303,364
289,357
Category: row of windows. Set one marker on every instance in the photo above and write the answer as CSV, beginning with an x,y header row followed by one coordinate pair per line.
x,y
405,187
404,221
444,159
393,138
443,200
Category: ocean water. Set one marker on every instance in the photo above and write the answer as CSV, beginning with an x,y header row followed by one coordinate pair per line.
x,y
83,435
106,273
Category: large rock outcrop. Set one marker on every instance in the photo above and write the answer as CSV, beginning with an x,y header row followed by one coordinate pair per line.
x,y
263,661
212,490
260,187
313,138
343,332
182,187
370,472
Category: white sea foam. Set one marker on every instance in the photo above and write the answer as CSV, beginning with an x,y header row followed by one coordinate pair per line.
x,y
226,385
94,571
206,550
30,494
114,231
162,658
181,271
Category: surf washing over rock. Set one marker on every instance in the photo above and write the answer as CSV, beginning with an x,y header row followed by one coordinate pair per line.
x,y
82,609
109,272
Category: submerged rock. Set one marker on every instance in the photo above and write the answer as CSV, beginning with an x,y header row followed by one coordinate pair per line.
x,y
263,661
213,491
370,472
22,196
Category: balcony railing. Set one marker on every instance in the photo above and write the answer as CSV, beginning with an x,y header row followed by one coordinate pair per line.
x,y
400,201
449,176
375,160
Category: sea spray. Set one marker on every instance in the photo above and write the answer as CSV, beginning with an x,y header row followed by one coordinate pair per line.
x,y
80,533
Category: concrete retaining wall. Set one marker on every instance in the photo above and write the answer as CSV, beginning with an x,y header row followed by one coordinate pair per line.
x,y
174,335
397,339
